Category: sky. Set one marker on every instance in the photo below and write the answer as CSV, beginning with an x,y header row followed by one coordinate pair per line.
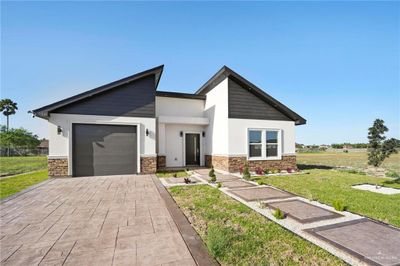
x,y
337,64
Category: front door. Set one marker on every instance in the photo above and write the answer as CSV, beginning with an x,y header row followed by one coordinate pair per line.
x,y
192,149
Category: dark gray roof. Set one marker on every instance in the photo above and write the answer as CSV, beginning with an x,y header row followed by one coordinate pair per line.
x,y
225,72
180,95
44,111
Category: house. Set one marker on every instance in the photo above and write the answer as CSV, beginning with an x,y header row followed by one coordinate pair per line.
x,y
43,147
127,127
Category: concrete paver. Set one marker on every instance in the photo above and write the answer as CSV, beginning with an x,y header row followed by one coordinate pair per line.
x,y
302,211
113,220
373,242
260,193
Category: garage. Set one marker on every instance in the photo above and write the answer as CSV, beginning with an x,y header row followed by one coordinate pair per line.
x,y
104,149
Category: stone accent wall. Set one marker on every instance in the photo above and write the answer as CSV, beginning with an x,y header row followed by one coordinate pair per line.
x,y
161,161
57,167
220,162
233,164
148,165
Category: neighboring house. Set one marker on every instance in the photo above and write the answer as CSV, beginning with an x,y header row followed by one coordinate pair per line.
x,y
43,147
128,127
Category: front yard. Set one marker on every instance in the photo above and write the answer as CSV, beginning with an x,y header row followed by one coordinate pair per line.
x,y
12,185
22,164
236,235
327,186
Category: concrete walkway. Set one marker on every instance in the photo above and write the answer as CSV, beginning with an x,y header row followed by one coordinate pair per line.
x,y
113,220
353,238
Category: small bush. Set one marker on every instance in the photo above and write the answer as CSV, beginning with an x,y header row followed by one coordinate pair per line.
x,y
339,205
213,178
345,151
187,180
212,172
266,171
274,171
241,169
246,172
290,170
219,185
259,171
278,214
392,174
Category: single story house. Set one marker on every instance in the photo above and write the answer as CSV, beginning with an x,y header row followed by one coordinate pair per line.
x,y
128,127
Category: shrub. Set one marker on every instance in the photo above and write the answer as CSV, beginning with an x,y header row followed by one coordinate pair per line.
x,y
219,185
278,214
339,205
175,175
259,171
213,178
241,169
187,180
246,172
266,171
290,170
274,171
392,174
212,172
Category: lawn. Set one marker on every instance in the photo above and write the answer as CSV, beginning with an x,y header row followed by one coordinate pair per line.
x,y
164,174
12,185
21,164
329,185
351,159
237,235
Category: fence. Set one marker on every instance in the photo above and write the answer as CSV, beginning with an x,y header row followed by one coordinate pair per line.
x,y
23,151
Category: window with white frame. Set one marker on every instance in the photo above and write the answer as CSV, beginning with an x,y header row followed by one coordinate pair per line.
x,y
264,144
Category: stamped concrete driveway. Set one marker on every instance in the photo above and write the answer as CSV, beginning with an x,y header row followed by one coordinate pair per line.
x,y
114,220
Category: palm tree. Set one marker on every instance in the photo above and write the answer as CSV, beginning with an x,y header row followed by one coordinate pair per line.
x,y
8,107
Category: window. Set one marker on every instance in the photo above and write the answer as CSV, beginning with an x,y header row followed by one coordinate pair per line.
x,y
264,144
272,143
255,145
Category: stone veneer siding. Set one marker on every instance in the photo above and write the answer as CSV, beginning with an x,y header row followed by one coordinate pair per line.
x,y
148,165
233,164
161,161
57,167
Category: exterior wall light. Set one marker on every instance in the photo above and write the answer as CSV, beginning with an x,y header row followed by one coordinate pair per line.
x,y
147,132
59,130
203,134
181,133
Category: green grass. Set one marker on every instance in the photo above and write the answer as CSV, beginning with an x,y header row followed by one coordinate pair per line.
x,y
328,186
351,159
237,235
12,185
164,174
21,164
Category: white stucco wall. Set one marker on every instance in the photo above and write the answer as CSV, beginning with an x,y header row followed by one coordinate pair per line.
x,y
61,145
238,134
168,106
174,143
216,109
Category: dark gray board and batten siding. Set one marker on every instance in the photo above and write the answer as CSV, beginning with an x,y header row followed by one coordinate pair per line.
x,y
134,99
244,104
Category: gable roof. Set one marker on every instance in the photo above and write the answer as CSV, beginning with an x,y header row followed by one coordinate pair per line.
x,y
44,111
226,72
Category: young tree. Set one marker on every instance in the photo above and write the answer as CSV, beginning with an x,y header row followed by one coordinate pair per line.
x,y
379,147
8,107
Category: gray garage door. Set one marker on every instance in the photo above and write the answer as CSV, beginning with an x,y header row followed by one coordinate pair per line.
x,y
104,150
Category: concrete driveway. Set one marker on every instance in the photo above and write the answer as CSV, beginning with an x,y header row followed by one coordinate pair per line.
x,y
113,220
